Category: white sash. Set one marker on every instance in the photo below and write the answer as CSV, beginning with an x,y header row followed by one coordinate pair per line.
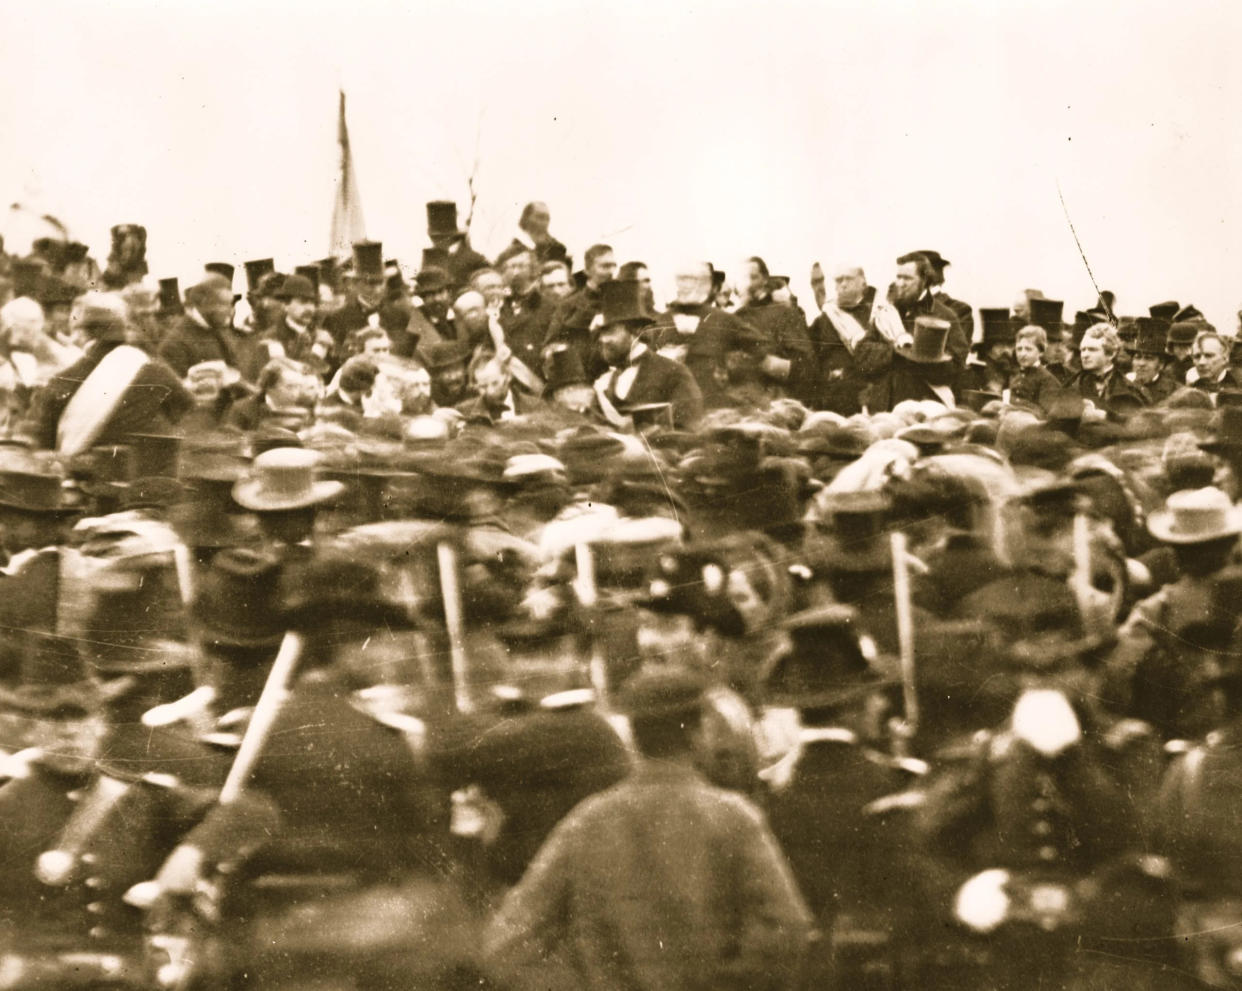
x,y
611,413
97,398
848,329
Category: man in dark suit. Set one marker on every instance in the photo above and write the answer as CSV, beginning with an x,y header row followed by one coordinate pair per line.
x,y
203,333
572,319
789,363
370,303
911,293
960,310
462,261
639,376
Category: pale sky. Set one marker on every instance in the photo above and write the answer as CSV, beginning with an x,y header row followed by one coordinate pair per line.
x,y
834,131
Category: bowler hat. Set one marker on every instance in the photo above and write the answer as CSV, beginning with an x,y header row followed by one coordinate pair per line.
x,y
1165,311
623,301
1152,334
431,279
256,269
445,354
170,297
369,260
998,327
284,478
1047,313
928,346
1196,516
311,273
238,601
442,218
296,287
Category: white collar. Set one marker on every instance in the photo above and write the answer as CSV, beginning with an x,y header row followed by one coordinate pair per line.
x,y
197,317
637,350
525,239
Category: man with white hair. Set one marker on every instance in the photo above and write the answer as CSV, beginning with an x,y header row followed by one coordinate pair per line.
x,y
115,390
698,333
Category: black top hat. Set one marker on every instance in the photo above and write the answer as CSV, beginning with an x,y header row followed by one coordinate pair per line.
x,y
27,277
1165,311
222,269
256,269
442,218
369,260
928,344
311,274
238,601
1047,313
154,454
1152,336
54,291
623,301
563,366
998,327
434,258
170,297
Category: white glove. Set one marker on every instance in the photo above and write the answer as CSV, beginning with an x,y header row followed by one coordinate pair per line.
x,y
982,902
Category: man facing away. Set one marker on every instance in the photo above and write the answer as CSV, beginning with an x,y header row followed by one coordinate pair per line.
x,y
663,881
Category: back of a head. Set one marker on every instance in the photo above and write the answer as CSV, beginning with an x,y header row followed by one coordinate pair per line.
x,y
665,708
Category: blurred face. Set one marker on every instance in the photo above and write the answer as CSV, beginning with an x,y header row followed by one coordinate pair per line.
x,y
538,221
492,287
470,314
555,283
370,289
416,392
1210,358
301,311
1057,353
492,382
1092,356
851,285
615,343
909,287
603,269
1026,354
1146,368
377,345
448,385
436,304
1022,308
819,286
286,390
519,273
271,310
217,308
694,284
1180,351
756,283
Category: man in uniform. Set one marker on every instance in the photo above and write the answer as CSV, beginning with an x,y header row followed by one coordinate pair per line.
x,y
662,881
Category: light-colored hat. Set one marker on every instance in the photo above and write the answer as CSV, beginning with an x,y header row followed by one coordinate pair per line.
x,y
284,478
1195,517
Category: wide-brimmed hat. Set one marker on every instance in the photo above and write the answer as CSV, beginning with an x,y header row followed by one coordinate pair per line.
x,y
928,344
284,478
445,354
239,599
1196,516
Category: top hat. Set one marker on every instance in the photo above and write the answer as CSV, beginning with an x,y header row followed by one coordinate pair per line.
x,y
1196,516
442,218
170,297
256,270
1165,311
54,291
297,287
998,327
238,601
284,478
1153,332
928,346
27,277
434,258
562,367
1046,313
623,301
368,260
222,269
311,274
154,455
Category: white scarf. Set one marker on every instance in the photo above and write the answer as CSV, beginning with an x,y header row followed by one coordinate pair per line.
x,y
884,317
91,407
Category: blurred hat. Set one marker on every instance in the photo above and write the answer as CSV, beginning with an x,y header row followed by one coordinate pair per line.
x,y
1165,311
135,612
222,269
256,269
51,681
170,297
282,479
103,316
826,663
34,488
1227,434
563,367
312,274
431,279
1196,516
998,326
442,218
297,287
335,588
1183,332
238,601
368,260
445,354
661,694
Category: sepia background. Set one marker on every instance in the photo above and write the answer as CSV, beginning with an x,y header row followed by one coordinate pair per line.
x,y
799,131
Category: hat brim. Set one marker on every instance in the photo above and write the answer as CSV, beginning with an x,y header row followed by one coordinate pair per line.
x,y
907,355
250,494
828,697
1221,446
1160,525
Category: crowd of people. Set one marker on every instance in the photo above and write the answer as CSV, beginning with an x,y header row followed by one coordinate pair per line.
x,y
491,626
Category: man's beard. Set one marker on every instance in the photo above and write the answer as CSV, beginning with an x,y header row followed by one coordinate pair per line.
x,y
905,297
444,394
